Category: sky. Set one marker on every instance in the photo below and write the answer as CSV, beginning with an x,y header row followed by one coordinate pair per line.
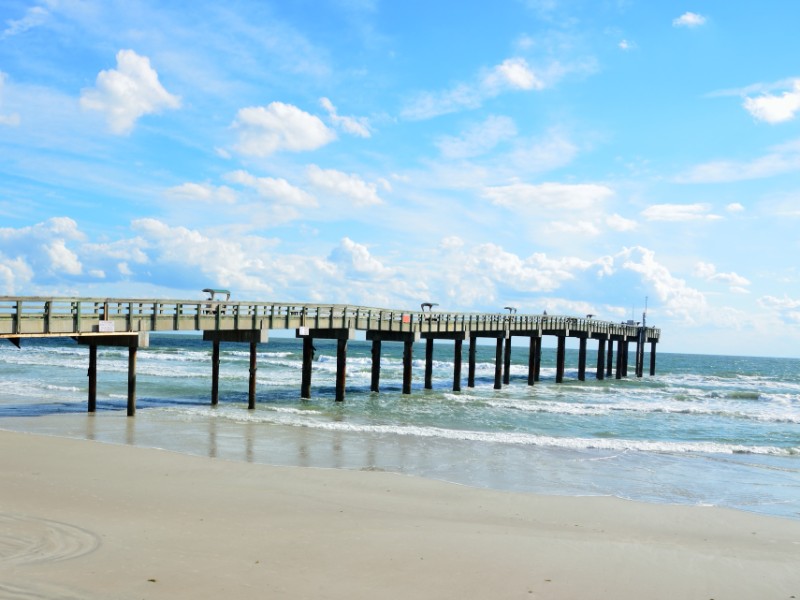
x,y
574,156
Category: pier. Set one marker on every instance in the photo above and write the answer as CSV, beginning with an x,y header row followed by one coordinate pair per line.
x,y
128,322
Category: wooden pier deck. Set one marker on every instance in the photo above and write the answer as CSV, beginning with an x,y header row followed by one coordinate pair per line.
x,y
128,322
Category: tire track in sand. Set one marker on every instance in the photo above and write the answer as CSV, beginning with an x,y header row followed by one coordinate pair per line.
x,y
33,540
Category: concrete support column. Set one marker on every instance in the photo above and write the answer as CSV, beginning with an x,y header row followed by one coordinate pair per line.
x,y
560,354
408,353
457,365
92,404
132,350
601,357
215,373
308,359
610,359
538,359
624,352
507,362
375,383
341,368
532,360
429,363
619,359
582,359
498,365
251,392
471,362
652,358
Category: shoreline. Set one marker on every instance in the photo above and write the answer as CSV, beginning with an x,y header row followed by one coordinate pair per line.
x,y
89,519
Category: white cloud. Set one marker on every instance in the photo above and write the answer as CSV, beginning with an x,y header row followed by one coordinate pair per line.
x,y
689,19
788,309
784,158
512,73
42,249
357,262
679,212
128,92
344,185
34,17
734,207
15,274
478,139
264,130
548,197
709,272
203,192
775,109
619,223
625,45
276,189
678,299
358,126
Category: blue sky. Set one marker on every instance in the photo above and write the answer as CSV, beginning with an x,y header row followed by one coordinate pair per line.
x,y
563,155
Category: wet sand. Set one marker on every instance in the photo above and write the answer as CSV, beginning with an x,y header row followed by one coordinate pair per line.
x,y
83,519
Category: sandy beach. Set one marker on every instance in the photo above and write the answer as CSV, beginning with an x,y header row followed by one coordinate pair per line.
x,y
82,519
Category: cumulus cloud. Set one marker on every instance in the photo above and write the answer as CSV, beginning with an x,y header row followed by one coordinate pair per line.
x,y
274,189
709,272
678,299
679,212
734,207
264,130
128,92
787,309
689,19
344,185
357,262
775,108
619,223
203,192
511,74
358,126
548,197
42,250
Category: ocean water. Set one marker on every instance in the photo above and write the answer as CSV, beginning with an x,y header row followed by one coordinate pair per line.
x,y
705,430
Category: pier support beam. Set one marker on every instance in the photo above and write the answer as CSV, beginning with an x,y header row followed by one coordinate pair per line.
x,y
618,374
408,338
458,337
429,363
251,336
375,382
582,359
652,358
560,355
92,404
215,373
534,351
473,340
610,358
308,359
498,365
601,356
132,341
341,336
457,365
507,362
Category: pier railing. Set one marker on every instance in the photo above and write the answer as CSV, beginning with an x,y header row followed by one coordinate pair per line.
x,y
50,316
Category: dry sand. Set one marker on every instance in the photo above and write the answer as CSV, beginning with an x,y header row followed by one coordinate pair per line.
x,y
81,519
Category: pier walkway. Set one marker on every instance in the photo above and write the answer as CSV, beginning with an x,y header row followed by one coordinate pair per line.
x,y
128,322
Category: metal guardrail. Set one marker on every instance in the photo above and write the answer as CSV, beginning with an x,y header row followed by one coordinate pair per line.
x,y
29,316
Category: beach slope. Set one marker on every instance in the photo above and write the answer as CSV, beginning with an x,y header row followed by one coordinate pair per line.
x,y
81,519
